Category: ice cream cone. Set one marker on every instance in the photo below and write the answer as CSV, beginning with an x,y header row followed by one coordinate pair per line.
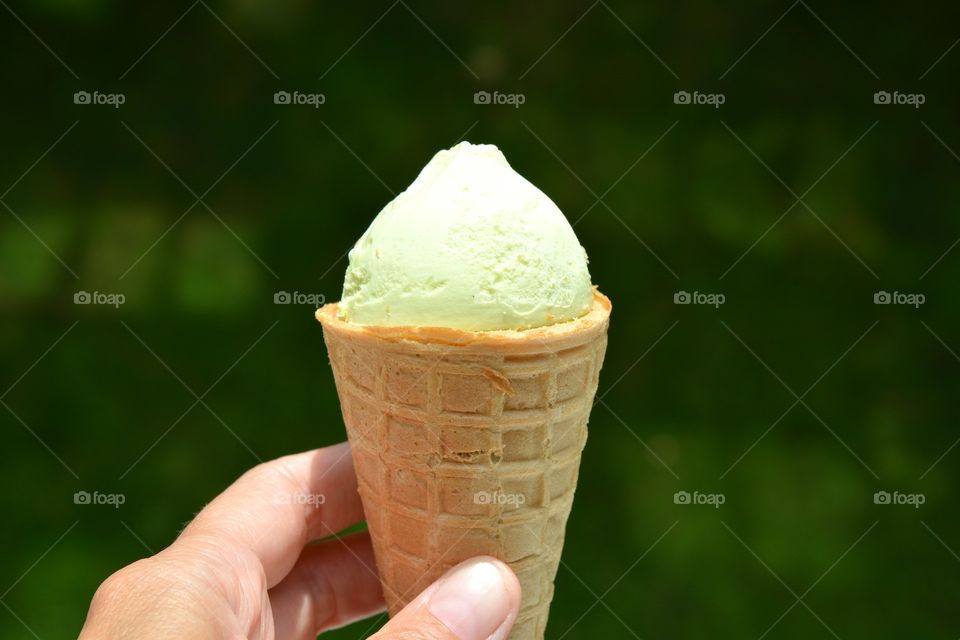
x,y
467,443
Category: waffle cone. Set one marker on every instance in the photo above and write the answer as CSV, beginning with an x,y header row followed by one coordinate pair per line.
x,y
467,443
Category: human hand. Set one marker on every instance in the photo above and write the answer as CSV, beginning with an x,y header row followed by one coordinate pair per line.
x,y
244,569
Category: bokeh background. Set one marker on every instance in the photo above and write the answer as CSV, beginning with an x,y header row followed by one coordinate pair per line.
x,y
798,199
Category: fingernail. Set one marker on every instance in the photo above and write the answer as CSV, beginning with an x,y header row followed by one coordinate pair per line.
x,y
472,601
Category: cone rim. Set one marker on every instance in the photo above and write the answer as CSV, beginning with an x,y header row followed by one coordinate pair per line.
x,y
595,319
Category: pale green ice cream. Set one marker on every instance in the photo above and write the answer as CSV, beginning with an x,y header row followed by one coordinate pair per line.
x,y
471,244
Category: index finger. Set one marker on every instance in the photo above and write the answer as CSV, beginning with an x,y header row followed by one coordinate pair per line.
x,y
277,507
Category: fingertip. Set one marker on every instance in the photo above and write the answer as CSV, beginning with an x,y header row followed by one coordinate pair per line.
x,y
511,583
514,591
477,599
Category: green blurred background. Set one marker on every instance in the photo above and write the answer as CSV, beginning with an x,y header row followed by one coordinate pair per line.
x,y
694,198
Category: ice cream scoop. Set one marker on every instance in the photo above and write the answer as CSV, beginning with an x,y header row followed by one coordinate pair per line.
x,y
471,244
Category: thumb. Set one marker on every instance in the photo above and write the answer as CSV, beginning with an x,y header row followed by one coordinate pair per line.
x,y
476,600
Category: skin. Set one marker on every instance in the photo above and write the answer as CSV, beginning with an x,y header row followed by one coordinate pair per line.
x,y
244,568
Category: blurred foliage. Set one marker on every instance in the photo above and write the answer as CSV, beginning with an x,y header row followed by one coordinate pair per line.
x,y
278,213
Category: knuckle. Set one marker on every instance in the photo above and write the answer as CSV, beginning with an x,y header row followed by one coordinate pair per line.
x,y
123,579
122,584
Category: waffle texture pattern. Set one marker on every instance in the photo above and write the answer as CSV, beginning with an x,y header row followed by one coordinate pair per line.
x,y
468,444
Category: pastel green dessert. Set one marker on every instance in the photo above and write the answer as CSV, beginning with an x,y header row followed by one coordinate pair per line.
x,y
472,245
